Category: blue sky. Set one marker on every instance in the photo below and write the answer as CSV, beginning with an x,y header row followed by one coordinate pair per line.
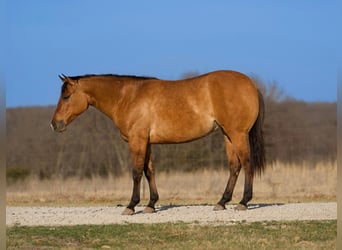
x,y
296,43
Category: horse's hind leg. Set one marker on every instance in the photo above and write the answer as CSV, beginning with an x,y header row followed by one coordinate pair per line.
x,y
149,173
241,143
234,169
248,187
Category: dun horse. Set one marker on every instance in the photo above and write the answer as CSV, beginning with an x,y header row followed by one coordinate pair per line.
x,y
149,110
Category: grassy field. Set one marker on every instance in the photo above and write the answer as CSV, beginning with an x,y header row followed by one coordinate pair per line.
x,y
280,183
261,235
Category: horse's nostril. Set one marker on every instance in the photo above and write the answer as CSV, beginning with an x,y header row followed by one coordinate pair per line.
x,y
58,126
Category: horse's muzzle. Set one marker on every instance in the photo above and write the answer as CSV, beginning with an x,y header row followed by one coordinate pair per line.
x,y
58,126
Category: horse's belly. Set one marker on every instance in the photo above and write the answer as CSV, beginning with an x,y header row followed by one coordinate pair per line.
x,y
181,129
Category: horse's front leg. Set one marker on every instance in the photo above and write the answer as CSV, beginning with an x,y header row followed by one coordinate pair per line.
x,y
138,155
149,173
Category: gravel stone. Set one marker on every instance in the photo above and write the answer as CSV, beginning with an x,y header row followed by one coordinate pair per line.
x,y
96,215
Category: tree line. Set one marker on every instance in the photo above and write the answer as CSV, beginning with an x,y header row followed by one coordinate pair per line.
x,y
295,132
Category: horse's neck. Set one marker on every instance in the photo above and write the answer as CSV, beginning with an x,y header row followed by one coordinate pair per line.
x,y
107,96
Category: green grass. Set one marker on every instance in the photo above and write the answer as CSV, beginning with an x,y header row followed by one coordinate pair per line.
x,y
259,235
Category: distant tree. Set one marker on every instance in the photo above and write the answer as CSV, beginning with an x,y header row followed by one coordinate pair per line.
x,y
189,74
270,90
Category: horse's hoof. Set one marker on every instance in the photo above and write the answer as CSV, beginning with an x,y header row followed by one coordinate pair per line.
x,y
241,207
219,207
149,210
128,211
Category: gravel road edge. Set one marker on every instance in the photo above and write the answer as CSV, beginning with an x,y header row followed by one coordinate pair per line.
x,y
101,215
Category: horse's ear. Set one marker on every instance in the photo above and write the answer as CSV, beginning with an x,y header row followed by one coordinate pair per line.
x,y
63,78
66,79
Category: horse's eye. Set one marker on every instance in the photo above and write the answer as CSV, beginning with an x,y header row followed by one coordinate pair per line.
x,y
66,97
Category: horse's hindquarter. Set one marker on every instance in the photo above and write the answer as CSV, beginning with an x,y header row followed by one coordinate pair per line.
x,y
235,100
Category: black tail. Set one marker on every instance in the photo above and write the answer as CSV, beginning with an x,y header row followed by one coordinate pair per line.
x,y
256,140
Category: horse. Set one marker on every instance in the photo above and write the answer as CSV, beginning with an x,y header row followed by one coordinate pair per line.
x,y
148,111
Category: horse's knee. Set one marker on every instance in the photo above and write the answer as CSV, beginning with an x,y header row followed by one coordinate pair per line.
x,y
137,174
148,174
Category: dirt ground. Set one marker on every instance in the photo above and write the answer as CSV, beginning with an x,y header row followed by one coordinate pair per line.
x,y
57,216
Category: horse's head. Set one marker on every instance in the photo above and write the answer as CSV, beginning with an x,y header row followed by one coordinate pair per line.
x,y
72,102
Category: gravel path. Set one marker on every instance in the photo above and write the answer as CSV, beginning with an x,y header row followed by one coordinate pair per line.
x,y
56,216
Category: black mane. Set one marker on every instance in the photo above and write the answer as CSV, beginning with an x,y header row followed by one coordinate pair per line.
x,y
112,75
